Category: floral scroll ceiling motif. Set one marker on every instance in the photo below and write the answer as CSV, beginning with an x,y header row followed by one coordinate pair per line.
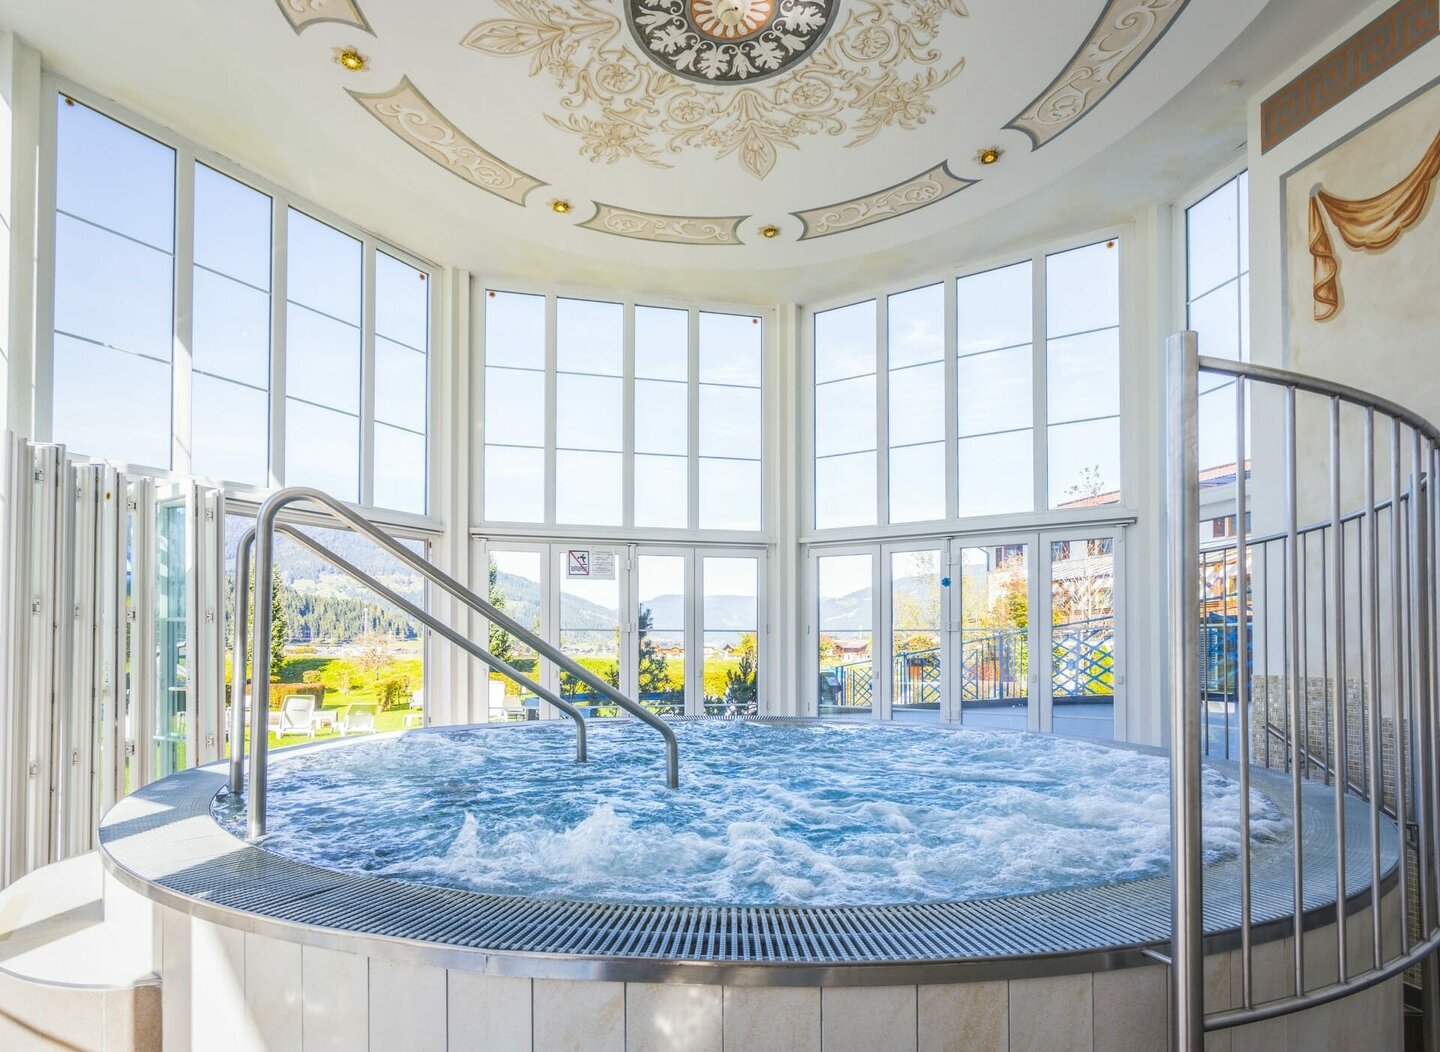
x,y
304,13
929,186
1123,35
878,68
674,230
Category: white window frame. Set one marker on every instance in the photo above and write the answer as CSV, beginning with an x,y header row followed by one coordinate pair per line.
x,y
187,154
1043,516
627,531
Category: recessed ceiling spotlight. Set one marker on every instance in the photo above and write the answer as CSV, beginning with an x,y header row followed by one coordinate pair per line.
x,y
560,207
351,59
770,231
989,155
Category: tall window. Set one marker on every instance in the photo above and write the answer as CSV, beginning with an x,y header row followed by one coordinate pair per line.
x,y
1217,301
882,382
660,403
114,288
1082,375
163,373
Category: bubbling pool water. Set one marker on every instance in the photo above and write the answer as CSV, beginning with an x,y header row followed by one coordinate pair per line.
x,y
767,814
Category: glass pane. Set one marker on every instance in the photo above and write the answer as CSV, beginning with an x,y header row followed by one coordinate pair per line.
x,y
1216,317
589,633
729,494
730,633
322,360
172,708
917,483
515,406
1082,639
994,669
1243,190
1085,464
916,618
399,469
114,176
587,488
917,404
1084,376
589,412
845,416
399,385
322,449
916,322
232,432
111,404
661,499
232,228
1082,289
994,309
402,302
231,335
845,342
845,491
515,330
846,686
1212,240
112,290
997,473
730,421
514,587
662,417
660,628
995,392
324,269
662,343
514,484
731,349
589,336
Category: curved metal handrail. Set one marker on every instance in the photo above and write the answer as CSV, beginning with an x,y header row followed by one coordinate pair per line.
x,y
237,709
265,527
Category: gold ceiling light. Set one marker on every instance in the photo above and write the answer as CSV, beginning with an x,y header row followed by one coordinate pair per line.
x,y
560,207
770,231
351,59
989,155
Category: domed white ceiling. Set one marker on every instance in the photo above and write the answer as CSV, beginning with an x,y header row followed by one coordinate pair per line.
x,y
677,130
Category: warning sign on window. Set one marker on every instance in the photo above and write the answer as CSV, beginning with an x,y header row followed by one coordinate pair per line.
x,y
595,564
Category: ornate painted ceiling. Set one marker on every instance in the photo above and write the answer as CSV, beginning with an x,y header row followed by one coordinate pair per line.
x,y
791,133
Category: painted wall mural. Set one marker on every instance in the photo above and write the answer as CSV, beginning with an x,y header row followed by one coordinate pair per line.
x,y
1123,35
877,69
1361,244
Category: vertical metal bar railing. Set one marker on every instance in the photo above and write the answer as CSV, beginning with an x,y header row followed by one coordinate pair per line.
x,y
1187,951
1364,730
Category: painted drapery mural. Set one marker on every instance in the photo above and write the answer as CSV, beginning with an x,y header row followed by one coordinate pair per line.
x,y
1371,223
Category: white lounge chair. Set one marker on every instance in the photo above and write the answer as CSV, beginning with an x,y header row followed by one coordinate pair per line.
x,y
359,719
295,716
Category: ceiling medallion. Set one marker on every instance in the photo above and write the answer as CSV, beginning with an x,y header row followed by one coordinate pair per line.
x,y
682,89
728,41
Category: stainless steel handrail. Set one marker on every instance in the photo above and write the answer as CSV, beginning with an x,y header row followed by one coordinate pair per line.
x,y
265,527
237,714
1408,681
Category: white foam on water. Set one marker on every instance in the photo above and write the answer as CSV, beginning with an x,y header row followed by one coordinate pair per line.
x,y
766,814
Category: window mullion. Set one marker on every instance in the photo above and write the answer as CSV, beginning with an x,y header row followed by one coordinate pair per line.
x,y
693,421
182,340
882,414
367,374
1039,362
952,401
551,402
279,292
627,394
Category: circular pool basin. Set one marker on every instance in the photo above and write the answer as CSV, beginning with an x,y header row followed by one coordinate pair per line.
x,y
766,815
795,852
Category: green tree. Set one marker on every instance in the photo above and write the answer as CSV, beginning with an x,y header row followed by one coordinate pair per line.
x,y
742,690
501,645
654,669
279,625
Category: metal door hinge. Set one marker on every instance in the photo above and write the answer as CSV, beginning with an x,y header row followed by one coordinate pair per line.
x,y
35,607
34,769
129,748
209,741
39,475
